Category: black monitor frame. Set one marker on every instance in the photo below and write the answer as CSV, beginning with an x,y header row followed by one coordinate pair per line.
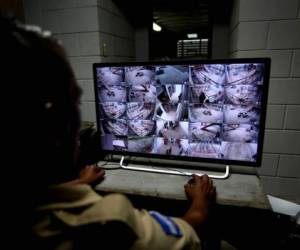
x,y
265,86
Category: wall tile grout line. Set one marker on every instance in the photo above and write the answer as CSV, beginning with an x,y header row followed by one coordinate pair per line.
x,y
277,165
270,20
268,35
284,117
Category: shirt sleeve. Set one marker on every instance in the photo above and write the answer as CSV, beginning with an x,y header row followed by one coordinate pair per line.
x,y
153,229
157,231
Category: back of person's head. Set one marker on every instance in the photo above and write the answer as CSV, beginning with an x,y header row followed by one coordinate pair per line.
x,y
44,98
40,118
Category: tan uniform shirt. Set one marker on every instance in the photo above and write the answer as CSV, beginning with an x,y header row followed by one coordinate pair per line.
x,y
78,206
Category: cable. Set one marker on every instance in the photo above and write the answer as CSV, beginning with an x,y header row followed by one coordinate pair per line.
x,y
107,163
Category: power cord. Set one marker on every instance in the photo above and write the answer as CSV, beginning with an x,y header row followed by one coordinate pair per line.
x,y
109,166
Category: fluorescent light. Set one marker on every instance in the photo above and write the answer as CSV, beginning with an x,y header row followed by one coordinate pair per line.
x,y
192,35
156,27
190,41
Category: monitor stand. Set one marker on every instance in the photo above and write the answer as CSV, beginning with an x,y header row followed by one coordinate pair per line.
x,y
162,171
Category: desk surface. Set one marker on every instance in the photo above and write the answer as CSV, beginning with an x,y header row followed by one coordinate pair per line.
x,y
237,190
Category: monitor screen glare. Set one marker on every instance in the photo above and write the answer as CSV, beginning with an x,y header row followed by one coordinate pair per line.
x,y
208,111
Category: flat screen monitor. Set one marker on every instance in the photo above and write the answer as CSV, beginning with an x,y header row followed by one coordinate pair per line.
x,y
205,111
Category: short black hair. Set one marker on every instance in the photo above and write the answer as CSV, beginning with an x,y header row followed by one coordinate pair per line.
x,y
43,110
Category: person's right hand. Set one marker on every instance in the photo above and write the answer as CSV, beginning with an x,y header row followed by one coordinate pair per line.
x,y
201,191
200,187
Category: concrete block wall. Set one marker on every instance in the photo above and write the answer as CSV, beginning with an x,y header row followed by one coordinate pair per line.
x,y
220,41
271,28
90,31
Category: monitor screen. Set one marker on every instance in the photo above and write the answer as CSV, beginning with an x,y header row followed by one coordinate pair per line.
x,y
211,111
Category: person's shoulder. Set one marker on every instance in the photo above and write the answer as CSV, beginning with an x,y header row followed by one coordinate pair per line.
x,y
114,203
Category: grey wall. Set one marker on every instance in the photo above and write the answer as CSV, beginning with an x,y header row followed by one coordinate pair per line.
x,y
91,31
142,44
220,41
271,28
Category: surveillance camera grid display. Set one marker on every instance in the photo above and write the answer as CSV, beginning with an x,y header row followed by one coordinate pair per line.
x,y
203,110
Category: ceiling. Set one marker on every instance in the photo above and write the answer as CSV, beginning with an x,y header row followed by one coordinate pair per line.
x,y
178,16
184,20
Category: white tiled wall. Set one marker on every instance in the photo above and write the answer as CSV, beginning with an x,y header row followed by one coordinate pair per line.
x,y
275,117
70,43
285,187
284,34
251,35
268,10
78,19
82,66
88,111
292,118
281,59
89,43
32,11
91,31
87,87
270,162
284,91
50,21
282,141
141,44
296,64
271,28
289,165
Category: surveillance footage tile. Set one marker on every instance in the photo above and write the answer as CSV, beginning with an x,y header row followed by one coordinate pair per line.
x,y
141,127
113,110
140,110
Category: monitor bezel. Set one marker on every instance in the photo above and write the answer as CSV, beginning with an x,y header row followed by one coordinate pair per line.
x,y
264,99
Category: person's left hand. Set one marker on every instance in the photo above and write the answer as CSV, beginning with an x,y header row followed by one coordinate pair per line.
x,y
91,174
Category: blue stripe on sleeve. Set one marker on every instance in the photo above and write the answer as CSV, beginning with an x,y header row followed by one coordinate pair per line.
x,y
168,225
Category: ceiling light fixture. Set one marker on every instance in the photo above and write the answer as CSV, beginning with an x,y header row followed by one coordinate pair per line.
x,y
156,27
192,35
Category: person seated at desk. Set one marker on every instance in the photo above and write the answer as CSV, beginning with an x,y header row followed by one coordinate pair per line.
x,y
59,210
